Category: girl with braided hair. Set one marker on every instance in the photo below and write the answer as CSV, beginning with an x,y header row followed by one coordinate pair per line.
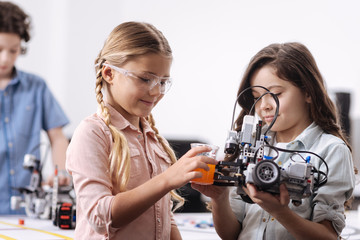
x,y
124,172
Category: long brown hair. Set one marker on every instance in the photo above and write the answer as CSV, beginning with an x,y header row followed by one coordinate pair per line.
x,y
293,62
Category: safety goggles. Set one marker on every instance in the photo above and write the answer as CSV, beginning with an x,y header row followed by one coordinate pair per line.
x,y
143,80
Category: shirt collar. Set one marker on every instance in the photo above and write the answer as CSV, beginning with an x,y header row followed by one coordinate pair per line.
x,y
16,77
307,138
122,123
310,135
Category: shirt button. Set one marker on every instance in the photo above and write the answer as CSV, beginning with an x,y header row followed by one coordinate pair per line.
x,y
139,136
12,172
10,144
6,119
158,220
264,219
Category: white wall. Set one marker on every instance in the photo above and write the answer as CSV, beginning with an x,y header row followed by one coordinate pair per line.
x,y
212,41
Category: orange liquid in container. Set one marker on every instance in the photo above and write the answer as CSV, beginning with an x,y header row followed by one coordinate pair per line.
x,y
207,177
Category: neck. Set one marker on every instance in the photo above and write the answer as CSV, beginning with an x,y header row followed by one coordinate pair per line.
x,y
5,79
290,135
4,82
134,120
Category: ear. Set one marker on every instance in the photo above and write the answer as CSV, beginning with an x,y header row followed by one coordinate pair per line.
x,y
307,98
107,74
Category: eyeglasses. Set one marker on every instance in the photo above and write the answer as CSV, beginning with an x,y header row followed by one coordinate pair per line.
x,y
145,81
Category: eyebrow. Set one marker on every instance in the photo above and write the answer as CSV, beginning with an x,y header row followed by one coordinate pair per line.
x,y
254,90
10,47
148,72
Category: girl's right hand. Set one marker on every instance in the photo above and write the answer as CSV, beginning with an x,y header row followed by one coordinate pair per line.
x,y
182,171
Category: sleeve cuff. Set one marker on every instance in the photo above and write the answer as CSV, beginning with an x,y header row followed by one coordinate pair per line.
x,y
333,213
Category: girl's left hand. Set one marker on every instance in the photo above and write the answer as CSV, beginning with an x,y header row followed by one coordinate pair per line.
x,y
267,201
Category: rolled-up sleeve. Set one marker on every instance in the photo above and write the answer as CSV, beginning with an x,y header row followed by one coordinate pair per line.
x,y
329,201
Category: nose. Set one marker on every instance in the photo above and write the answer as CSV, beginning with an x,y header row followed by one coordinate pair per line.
x,y
155,89
5,57
266,103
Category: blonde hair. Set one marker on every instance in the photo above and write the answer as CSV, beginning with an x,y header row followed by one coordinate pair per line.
x,y
126,42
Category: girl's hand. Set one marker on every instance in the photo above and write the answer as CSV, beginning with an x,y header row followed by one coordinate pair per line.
x,y
182,171
269,202
211,191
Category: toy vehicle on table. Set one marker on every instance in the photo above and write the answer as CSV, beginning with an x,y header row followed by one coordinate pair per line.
x,y
56,203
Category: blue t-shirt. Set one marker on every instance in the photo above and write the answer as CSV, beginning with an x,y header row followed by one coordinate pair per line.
x,y
26,107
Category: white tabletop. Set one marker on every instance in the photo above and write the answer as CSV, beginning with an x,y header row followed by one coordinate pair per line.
x,y
32,229
192,226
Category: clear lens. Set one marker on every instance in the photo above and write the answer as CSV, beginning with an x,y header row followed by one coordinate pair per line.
x,y
146,81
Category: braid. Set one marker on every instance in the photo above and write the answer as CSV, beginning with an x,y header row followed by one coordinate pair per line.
x,y
175,196
99,86
119,159
120,154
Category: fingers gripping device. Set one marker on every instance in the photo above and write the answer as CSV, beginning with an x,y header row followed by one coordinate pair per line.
x,y
252,166
249,164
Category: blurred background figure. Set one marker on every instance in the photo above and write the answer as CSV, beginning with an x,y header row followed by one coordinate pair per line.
x,y
27,107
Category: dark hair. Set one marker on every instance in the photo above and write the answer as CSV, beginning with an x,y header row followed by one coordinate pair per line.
x,y
293,62
14,20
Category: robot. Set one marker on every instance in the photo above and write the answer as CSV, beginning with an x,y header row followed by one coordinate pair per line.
x,y
56,203
253,166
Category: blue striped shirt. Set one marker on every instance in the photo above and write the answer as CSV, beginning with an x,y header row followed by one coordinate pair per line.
x,y
326,203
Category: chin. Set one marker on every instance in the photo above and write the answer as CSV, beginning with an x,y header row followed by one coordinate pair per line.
x,y
144,114
274,128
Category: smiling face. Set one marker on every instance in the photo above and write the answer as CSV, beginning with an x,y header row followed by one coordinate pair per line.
x,y
123,93
294,111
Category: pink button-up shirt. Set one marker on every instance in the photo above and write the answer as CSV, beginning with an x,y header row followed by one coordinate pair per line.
x,y
87,162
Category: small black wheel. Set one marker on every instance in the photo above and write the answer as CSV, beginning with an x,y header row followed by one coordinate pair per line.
x,y
266,174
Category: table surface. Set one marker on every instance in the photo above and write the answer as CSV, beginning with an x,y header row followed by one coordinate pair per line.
x,y
193,226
